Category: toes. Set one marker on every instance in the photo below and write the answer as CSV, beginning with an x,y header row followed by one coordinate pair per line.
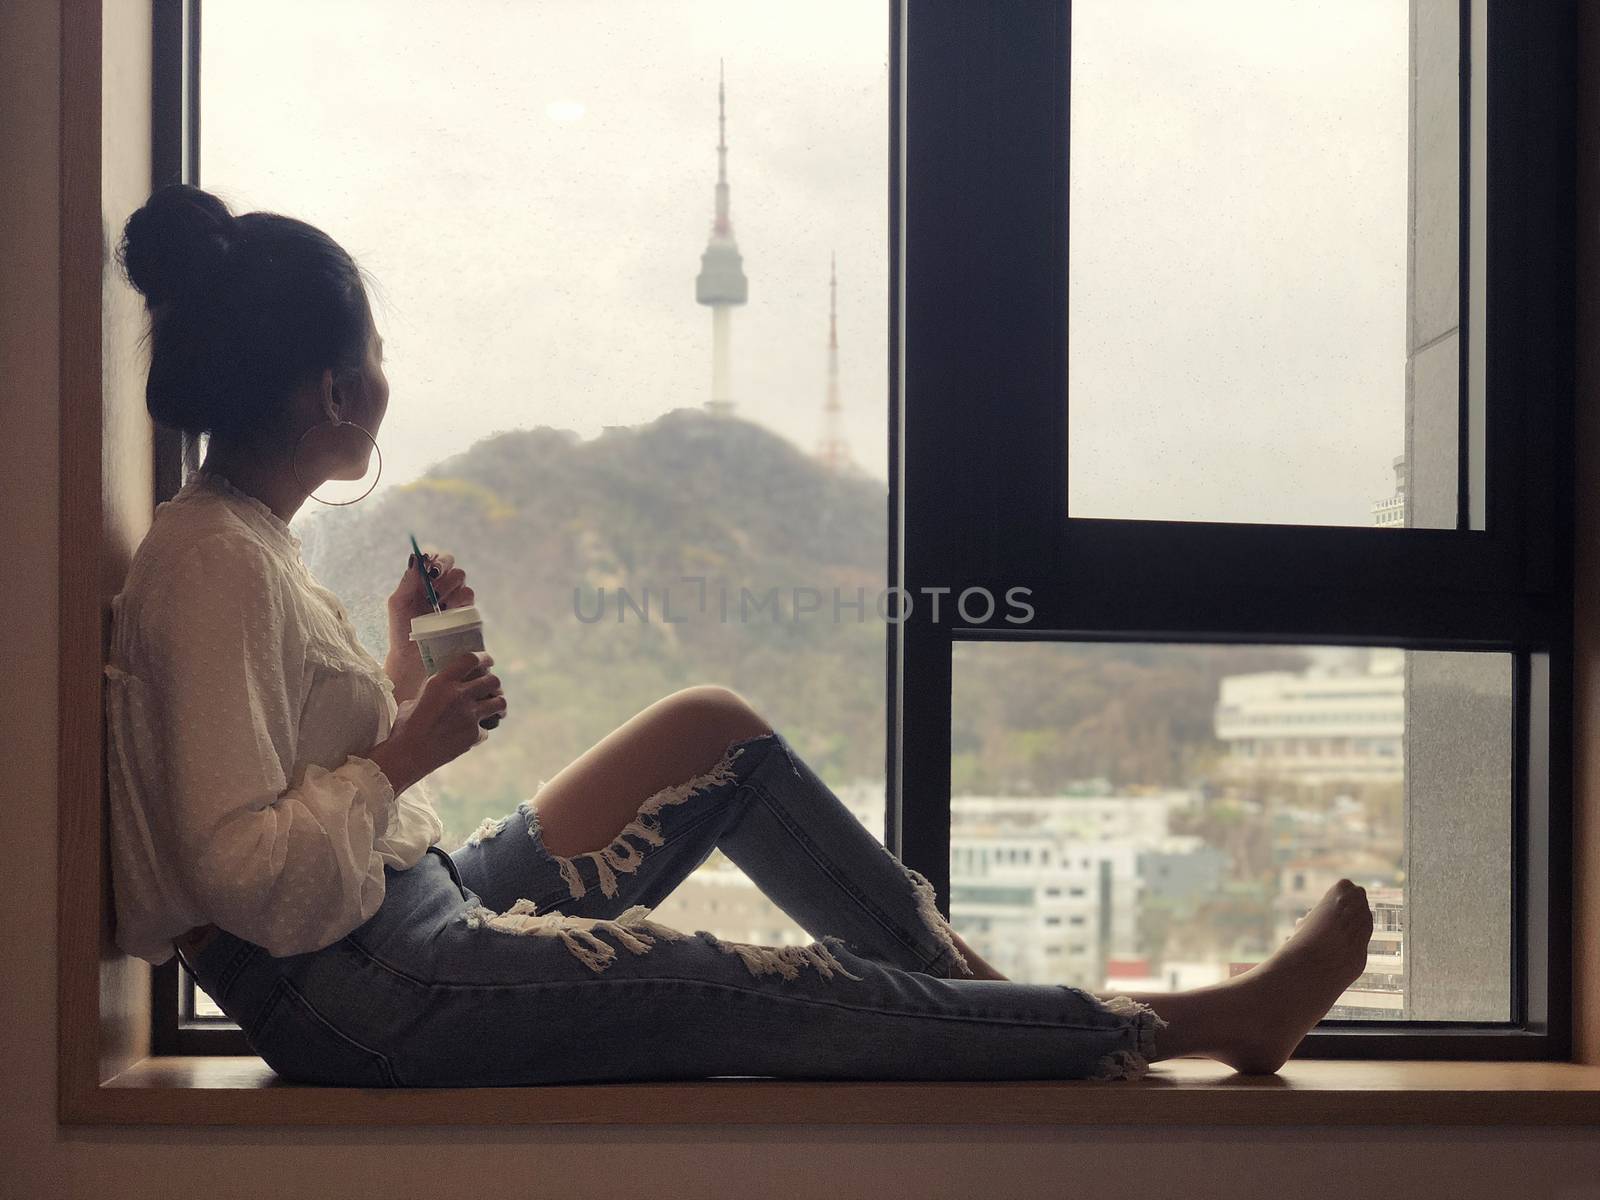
x,y
1348,892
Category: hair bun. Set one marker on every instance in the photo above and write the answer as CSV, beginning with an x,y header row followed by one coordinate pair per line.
x,y
172,244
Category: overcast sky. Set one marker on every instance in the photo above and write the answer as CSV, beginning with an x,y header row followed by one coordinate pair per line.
x,y
1238,267
531,185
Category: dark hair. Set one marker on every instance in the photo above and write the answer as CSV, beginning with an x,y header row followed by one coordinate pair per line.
x,y
244,309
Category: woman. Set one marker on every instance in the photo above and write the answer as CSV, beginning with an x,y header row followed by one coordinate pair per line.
x,y
271,820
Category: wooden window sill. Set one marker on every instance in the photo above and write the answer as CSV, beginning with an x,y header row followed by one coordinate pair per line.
x,y
243,1091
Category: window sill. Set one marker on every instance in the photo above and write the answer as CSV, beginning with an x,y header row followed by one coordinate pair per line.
x,y
243,1091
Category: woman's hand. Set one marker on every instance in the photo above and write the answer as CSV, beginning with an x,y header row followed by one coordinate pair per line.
x,y
441,724
403,664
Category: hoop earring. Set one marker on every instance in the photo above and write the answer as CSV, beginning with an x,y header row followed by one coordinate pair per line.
x,y
338,421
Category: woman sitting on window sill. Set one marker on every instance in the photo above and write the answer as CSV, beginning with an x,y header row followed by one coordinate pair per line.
x,y
272,822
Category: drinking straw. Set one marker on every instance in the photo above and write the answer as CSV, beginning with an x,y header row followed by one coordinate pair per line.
x,y
422,569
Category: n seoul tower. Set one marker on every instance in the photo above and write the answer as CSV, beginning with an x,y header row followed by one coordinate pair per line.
x,y
721,282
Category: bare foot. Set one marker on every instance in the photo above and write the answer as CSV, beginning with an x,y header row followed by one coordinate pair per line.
x,y
1274,1004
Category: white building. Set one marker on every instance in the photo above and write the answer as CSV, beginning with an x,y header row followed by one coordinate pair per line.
x,y
1048,888
1038,909
1390,512
1080,818
1316,726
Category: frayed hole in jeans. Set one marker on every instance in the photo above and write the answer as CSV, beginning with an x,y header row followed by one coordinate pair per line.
x,y
491,827
950,959
785,960
633,930
620,854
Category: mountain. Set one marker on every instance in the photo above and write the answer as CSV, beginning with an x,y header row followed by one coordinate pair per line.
x,y
542,521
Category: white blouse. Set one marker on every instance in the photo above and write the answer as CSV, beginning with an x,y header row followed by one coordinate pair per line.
x,y
239,704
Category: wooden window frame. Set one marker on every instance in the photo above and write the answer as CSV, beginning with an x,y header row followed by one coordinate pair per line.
x,y
114,465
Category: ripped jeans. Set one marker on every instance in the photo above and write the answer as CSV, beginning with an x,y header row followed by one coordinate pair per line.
x,y
502,964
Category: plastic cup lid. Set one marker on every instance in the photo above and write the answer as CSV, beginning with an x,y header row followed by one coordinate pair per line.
x,y
448,621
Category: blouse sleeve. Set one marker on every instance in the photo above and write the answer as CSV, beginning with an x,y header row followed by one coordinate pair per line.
x,y
287,864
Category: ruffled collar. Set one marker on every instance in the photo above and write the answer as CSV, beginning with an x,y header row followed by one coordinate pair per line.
x,y
254,510
215,483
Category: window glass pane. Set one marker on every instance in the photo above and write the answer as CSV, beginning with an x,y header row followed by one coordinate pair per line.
x,y
597,381
1263,267
1138,817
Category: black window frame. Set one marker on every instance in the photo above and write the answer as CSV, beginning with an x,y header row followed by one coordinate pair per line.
x,y
978,150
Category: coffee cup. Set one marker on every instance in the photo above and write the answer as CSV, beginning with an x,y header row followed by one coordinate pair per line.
x,y
449,633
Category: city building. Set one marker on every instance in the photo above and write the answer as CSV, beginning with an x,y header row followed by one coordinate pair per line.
x,y
1181,870
1390,512
1049,889
1316,726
